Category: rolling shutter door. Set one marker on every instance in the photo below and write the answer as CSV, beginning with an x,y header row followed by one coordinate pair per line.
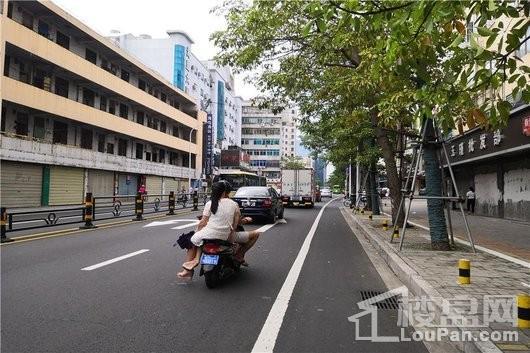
x,y
100,182
127,184
66,185
170,184
20,184
153,185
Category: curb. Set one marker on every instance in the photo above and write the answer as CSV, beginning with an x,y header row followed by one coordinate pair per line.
x,y
69,231
417,285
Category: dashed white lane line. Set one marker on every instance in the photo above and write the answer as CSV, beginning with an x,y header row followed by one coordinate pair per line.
x,y
266,227
269,333
111,261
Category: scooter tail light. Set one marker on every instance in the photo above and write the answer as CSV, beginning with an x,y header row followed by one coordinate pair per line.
x,y
211,248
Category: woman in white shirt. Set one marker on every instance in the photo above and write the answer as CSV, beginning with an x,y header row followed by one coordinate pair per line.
x,y
219,220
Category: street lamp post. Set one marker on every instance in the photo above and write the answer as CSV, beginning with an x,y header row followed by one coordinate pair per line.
x,y
189,159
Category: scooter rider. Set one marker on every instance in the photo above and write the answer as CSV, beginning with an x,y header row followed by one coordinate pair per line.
x,y
220,219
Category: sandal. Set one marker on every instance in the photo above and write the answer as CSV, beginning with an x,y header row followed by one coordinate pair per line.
x,y
186,275
186,265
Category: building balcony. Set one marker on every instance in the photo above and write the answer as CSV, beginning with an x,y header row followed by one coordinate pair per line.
x,y
34,151
32,42
36,98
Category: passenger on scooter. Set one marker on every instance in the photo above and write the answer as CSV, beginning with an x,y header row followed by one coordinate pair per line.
x,y
219,220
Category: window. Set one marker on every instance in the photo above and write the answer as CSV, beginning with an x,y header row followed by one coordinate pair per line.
x,y
175,131
124,111
21,124
40,79
88,97
163,126
39,128
141,85
124,75
155,155
162,156
139,151
61,87
163,97
110,148
60,132
23,74
103,103
91,56
101,143
105,64
7,60
86,139
112,107
10,9
63,40
147,156
44,29
3,127
27,20
140,117
122,147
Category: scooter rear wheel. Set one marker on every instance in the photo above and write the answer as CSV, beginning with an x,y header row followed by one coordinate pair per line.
x,y
212,279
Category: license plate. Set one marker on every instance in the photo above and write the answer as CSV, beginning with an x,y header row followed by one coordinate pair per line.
x,y
209,259
248,204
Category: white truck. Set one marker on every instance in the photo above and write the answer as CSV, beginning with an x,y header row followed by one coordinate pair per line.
x,y
298,187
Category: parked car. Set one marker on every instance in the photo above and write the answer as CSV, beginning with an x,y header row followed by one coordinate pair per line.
x,y
326,192
259,201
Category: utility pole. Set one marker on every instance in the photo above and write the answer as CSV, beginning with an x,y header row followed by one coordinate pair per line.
x,y
358,179
349,191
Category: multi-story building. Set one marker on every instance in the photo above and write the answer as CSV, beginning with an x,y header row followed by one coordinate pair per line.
x,y
267,137
79,114
210,85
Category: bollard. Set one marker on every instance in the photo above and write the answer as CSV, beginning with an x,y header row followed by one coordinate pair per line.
x,y
139,207
3,223
171,203
385,225
395,234
370,217
88,212
362,210
464,271
523,311
195,201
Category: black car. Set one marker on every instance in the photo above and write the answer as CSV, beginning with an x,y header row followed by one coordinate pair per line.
x,y
259,201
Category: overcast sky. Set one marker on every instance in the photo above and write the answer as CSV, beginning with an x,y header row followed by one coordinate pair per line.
x,y
155,17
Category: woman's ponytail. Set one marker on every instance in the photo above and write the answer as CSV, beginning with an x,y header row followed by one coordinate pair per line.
x,y
218,190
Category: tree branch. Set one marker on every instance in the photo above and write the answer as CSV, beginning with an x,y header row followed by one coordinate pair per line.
x,y
367,13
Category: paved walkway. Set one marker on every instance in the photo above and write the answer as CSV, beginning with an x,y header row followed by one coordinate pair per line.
x,y
435,273
504,235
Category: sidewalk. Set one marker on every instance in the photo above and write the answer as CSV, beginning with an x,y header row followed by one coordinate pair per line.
x,y
434,274
504,235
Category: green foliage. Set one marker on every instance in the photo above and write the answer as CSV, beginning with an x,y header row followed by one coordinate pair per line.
x,y
292,162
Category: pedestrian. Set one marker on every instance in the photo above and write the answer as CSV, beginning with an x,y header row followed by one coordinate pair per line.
x,y
470,195
142,191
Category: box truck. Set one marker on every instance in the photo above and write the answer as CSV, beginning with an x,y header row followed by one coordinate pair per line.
x,y
298,187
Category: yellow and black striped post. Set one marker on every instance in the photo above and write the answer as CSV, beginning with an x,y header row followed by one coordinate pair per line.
x,y
88,212
523,311
385,225
139,207
171,203
464,271
362,210
395,234
3,226
195,201
370,217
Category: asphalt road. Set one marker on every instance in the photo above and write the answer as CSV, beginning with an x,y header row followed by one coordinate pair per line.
x,y
49,304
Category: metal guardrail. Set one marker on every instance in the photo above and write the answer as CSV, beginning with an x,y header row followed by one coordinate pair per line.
x,y
98,208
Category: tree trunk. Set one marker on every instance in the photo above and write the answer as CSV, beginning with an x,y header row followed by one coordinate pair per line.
x,y
433,180
389,156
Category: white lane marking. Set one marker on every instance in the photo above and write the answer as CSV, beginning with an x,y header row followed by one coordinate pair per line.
x,y
187,225
171,221
111,261
269,333
479,247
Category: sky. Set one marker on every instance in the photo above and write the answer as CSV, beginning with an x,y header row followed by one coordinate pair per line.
x,y
155,17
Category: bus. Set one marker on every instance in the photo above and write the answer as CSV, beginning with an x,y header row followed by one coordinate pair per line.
x,y
238,178
336,189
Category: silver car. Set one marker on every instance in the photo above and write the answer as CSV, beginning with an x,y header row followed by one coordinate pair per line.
x,y
325,192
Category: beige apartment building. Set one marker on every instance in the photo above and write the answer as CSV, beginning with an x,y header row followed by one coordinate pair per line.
x,y
81,115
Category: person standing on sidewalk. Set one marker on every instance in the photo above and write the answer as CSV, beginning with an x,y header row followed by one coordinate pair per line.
x,y
470,195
